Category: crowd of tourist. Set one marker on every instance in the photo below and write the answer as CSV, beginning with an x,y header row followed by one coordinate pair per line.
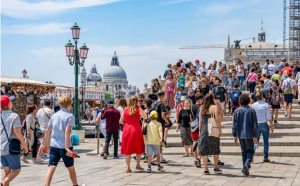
x,y
200,94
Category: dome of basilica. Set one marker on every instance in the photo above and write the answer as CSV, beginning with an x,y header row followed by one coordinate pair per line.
x,y
94,76
114,72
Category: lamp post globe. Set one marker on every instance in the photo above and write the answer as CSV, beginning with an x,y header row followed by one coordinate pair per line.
x,y
83,52
69,49
75,31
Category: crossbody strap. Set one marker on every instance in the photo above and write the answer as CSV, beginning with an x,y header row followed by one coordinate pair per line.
x,y
46,113
4,129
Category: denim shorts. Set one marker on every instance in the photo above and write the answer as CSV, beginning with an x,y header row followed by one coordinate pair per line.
x,y
153,149
288,98
56,154
11,161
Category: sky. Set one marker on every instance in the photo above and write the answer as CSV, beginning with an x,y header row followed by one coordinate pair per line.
x,y
146,34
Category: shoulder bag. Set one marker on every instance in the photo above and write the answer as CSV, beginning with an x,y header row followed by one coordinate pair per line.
x,y
13,144
213,129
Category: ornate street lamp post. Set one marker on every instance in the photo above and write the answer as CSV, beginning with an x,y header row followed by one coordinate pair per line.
x,y
82,100
74,55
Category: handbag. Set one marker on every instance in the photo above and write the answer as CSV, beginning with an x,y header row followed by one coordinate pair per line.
x,y
144,129
171,90
14,144
213,129
37,132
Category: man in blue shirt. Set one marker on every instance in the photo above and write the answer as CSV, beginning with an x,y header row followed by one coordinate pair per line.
x,y
60,126
245,129
263,116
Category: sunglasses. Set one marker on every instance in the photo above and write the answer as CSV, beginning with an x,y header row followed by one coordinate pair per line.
x,y
141,101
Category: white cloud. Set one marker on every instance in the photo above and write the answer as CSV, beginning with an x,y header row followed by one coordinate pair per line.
x,y
141,63
23,9
30,29
173,2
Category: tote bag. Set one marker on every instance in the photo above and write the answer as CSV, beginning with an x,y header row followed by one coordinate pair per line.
x,y
212,126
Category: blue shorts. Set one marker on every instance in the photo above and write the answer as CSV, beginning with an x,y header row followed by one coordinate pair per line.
x,y
11,161
153,149
288,98
56,154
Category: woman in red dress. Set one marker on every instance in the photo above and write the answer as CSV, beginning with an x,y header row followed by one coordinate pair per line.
x,y
132,138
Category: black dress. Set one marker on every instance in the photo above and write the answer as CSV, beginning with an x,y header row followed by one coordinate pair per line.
x,y
208,145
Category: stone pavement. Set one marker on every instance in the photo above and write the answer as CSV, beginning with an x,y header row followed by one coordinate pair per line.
x,y
95,171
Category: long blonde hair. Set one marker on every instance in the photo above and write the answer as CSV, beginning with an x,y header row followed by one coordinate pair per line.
x,y
133,104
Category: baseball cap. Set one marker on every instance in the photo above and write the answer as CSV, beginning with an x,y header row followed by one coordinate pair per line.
x,y
182,98
197,60
153,114
153,97
110,102
5,100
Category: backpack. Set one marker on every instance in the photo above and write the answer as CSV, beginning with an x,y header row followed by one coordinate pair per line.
x,y
154,107
275,99
166,73
235,96
288,89
195,122
219,92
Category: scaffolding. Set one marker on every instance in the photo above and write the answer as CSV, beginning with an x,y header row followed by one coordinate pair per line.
x,y
294,30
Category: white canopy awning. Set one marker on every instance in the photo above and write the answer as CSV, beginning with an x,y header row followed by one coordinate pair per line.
x,y
15,80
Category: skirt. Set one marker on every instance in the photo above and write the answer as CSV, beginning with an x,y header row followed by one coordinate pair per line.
x,y
186,136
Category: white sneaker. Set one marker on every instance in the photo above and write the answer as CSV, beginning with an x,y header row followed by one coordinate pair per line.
x,y
42,160
46,155
37,161
286,114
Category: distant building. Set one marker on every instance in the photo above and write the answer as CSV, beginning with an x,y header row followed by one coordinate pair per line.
x,y
257,51
114,79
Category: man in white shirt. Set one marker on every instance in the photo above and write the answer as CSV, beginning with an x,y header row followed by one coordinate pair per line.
x,y
195,70
219,65
288,88
44,114
212,73
272,68
263,116
203,69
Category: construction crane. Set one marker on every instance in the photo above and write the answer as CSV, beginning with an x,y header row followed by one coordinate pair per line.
x,y
221,45
284,22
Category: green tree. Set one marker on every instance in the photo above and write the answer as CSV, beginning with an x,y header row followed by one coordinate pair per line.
x,y
108,96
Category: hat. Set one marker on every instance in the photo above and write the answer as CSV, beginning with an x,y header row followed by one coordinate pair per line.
x,y
110,102
182,98
5,100
197,61
153,97
253,62
153,114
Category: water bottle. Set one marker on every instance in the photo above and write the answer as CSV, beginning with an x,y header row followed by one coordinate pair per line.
x,y
255,147
73,155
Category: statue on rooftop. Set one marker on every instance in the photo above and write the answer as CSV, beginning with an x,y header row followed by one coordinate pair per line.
x,y
237,44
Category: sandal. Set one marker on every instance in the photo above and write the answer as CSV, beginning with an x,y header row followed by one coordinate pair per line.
x,y
186,155
102,154
128,171
139,168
